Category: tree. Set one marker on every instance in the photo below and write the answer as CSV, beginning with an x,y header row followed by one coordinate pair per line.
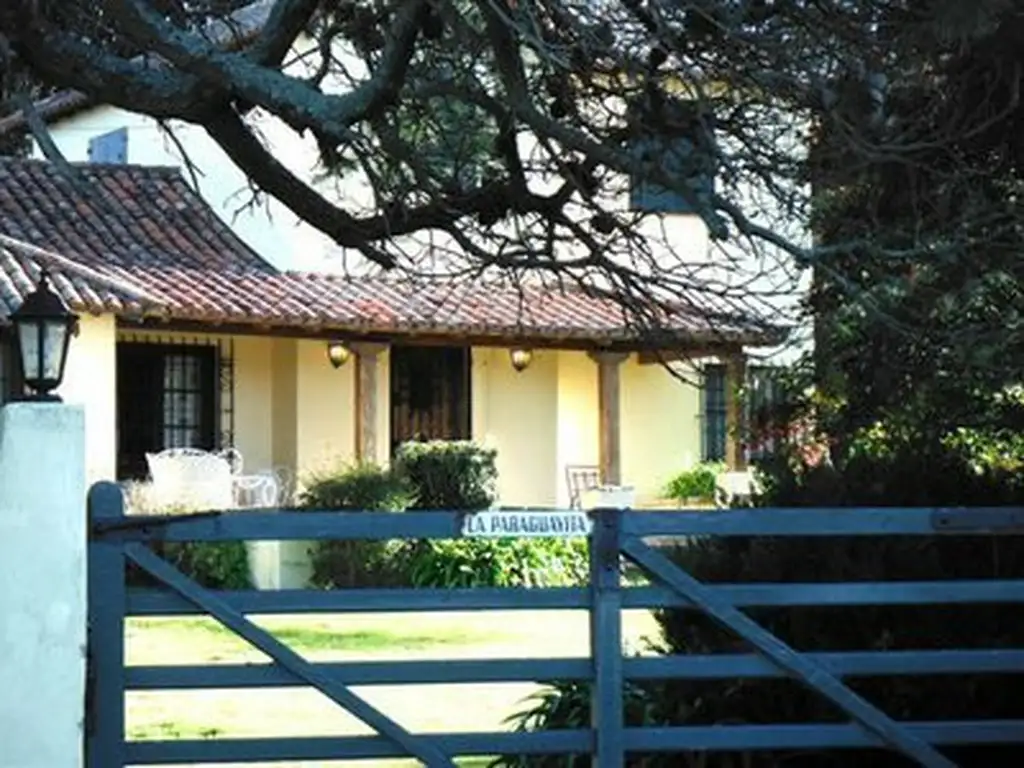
x,y
942,347
561,96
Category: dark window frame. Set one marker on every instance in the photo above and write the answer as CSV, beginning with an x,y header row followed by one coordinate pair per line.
x,y
688,149
714,412
154,389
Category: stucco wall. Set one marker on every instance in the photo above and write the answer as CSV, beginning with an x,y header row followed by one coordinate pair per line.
x,y
325,412
42,598
90,380
517,414
284,388
577,415
660,426
254,400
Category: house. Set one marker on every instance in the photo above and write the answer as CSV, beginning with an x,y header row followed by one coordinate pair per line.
x,y
678,239
189,338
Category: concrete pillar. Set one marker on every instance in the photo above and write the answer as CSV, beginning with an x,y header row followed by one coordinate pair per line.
x,y
43,598
609,410
368,406
735,380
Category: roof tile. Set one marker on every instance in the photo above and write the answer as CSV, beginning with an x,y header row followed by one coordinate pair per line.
x,y
144,226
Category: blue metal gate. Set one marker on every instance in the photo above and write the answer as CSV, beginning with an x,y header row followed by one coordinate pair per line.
x,y
117,540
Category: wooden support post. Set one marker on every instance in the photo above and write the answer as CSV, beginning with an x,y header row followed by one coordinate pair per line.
x,y
609,414
367,397
735,428
606,700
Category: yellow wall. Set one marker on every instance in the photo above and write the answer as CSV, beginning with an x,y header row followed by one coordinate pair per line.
x,y
517,414
284,385
254,401
660,426
90,381
577,416
325,411
293,409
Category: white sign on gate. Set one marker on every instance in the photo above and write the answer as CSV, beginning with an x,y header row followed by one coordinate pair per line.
x,y
527,524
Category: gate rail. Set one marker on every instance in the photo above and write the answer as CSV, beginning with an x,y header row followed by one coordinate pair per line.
x,y
117,539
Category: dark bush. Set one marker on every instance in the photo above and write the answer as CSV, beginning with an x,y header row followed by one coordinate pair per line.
x,y
448,474
872,470
353,563
212,564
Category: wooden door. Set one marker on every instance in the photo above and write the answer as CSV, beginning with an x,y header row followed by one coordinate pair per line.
x,y
430,394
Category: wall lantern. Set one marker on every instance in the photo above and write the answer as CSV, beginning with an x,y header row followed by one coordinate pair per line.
x,y
338,353
520,358
43,327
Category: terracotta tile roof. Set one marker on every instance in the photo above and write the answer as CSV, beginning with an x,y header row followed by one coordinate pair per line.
x,y
137,242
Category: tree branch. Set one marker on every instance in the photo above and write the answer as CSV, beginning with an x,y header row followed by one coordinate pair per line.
x,y
286,21
295,101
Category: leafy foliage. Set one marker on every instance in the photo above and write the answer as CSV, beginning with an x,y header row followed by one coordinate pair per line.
x,y
354,563
213,564
509,562
696,483
449,474
360,488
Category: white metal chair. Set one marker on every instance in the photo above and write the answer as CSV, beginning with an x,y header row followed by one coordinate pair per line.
x,y
191,478
734,487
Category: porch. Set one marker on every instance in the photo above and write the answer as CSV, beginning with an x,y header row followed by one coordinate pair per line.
x,y
283,404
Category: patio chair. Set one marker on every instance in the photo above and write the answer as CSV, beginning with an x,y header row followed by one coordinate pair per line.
x,y
580,479
191,478
733,488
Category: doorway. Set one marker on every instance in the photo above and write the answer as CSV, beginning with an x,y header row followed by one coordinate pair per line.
x,y
430,394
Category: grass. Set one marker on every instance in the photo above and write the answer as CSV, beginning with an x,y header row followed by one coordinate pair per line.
x,y
311,636
261,713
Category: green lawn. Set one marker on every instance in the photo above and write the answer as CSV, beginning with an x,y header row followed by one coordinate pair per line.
x,y
304,712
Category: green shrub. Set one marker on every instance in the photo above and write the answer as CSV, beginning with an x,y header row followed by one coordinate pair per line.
x,y
356,563
459,563
448,475
213,564
359,488
566,705
696,483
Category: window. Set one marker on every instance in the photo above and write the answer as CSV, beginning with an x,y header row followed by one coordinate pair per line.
x,y
713,413
109,147
166,398
684,151
763,394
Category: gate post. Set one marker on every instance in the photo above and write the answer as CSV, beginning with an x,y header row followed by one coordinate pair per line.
x,y
606,705
42,592
107,606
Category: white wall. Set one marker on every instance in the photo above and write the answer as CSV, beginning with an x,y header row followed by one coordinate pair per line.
x,y
269,228
42,597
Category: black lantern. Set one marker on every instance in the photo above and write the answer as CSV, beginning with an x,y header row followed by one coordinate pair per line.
x,y
43,326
